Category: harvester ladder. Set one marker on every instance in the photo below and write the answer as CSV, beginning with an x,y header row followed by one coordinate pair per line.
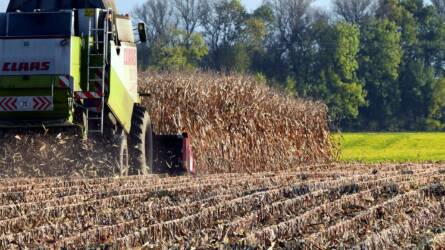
x,y
96,73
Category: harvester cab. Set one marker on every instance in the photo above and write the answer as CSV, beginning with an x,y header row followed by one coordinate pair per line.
x,y
73,63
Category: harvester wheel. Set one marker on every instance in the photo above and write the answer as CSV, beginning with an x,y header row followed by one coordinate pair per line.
x,y
124,156
141,141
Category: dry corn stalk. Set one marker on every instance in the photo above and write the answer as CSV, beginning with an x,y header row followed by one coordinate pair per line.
x,y
237,124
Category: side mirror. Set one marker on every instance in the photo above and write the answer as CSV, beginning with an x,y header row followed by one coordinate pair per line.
x,y
142,33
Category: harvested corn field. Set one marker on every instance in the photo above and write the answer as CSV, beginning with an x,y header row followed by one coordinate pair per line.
x,y
36,153
314,207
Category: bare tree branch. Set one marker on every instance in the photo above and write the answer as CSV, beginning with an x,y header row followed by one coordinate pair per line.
x,y
291,17
440,6
354,11
189,14
158,16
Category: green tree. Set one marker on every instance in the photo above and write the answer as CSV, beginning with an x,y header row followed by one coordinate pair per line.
x,y
417,84
338,85
234,58
184,51
264,13
436,118
291,86
380,58
422,36
261,41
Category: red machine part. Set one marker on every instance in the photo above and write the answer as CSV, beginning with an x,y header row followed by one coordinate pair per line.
x,y
187,154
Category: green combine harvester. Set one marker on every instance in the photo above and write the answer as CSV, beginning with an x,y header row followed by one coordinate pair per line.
x,y
73,63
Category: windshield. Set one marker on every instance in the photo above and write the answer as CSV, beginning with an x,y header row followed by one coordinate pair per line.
x,y
55,5
40,24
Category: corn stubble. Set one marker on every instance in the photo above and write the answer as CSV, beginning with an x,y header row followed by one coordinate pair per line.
x,y
312,207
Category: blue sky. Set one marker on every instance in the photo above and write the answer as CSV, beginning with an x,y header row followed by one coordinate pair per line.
x,y
127,5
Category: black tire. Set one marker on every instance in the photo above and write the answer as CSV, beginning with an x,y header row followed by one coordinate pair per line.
x,y
141,141
123,156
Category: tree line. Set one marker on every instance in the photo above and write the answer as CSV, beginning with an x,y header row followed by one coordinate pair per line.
x,y
379,65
